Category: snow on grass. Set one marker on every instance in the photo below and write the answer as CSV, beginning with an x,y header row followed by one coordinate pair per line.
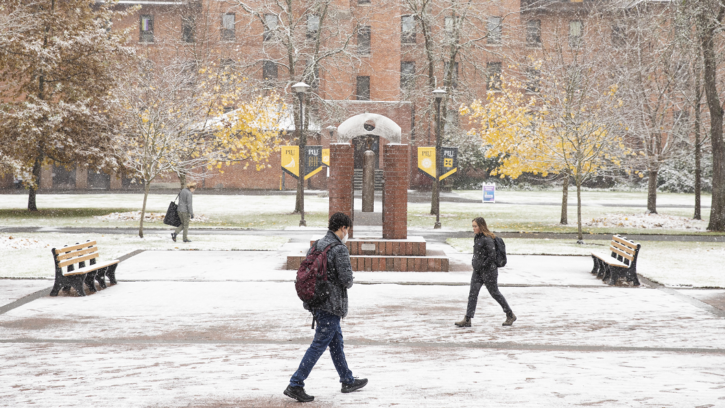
x,y
647,221
36,260
675,264
13,242
148,217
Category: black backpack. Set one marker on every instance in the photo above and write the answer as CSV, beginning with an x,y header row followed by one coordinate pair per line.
x,y
500,252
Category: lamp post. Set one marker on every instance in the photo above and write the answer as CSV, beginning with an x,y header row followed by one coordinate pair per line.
x,y
438,94
300,88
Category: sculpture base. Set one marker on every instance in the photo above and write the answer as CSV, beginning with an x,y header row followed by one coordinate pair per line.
x,y
392,255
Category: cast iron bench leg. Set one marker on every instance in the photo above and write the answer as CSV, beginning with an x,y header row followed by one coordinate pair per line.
x,y
90,276
614,275
77,283
101,277
595,268
111,273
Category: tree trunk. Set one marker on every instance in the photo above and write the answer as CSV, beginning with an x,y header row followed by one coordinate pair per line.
x,y
708,27
580,237
565,200
35,185
182,180
146,188
698,165
652,192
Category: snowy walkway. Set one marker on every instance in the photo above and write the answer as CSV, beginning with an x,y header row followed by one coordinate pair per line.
x,y
225,329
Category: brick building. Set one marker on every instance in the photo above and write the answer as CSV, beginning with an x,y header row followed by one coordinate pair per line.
x,y
359,56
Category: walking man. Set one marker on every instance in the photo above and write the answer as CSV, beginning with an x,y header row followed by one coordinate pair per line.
x,y
328,315
185,210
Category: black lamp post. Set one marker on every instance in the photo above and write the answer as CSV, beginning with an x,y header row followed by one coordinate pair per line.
x,y
438,94
300,88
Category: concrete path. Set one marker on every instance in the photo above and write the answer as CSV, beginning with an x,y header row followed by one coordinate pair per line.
x,y
225,329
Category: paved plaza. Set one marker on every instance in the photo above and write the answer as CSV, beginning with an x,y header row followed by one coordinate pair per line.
x,y
226,329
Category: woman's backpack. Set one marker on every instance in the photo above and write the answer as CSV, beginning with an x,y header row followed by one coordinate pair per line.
x,y
500,252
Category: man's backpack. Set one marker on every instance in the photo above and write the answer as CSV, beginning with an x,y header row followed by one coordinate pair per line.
x,y
312,283
500,252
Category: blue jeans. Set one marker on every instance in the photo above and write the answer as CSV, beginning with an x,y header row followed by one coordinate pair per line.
x,y
328,333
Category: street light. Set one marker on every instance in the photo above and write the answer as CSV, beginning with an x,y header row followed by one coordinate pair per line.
x,y
300,88
438,94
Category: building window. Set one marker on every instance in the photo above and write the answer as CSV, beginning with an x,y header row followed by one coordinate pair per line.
x,y
533,33
363,2
407,26
147,29
269,71
533,80
454,78
493,76
228,24
407,74
270,25
313,26
362,92
187,29
494,28
575,33
363,40
619,38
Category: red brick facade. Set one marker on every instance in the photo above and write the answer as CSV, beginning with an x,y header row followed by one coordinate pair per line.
x,y
340,183
395,201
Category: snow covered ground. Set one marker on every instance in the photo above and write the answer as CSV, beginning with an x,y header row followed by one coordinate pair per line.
x,y
28,255
647,221
225,329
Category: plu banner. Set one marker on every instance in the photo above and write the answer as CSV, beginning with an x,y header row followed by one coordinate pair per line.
x,y
314,161
427,161
449,164
326,157
291,160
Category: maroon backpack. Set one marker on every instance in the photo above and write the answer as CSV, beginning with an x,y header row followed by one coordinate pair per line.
x,y
312,283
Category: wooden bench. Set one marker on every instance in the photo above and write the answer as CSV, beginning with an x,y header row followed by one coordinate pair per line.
x,y
73,259
620,262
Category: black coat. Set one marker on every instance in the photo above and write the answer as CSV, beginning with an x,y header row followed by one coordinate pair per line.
x,y
339,272
484,254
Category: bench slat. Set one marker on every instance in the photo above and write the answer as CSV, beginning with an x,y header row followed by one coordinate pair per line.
x,y
76,260
610,261
623,254
624,248
624,241
74,247
92,268
77,253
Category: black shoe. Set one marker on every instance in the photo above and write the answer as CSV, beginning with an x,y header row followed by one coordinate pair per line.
x,y
356,385
173,236
187,240
298,393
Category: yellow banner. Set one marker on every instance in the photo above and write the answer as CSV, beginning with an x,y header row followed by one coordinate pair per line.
x,y
326,157
291,160
427,161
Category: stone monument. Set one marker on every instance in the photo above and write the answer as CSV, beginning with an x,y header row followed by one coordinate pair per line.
x,y
394,251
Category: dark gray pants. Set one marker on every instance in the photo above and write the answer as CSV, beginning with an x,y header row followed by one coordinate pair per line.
x,y
184,216
490,280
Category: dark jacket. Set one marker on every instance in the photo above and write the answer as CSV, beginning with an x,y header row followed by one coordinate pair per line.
x,y
339,272
484,254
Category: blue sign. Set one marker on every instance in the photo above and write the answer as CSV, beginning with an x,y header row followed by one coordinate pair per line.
x,y
489,193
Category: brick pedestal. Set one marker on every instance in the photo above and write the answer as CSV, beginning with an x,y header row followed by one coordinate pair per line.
x,y
395,201
340,183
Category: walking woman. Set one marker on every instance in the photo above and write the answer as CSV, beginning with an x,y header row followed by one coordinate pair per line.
x,y
485,272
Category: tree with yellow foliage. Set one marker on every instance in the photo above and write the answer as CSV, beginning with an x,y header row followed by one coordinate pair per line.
x,y
567,122
174,120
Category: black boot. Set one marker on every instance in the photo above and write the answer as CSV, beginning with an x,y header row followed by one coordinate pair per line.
x,y
466,322
356,385
298,393
510,319
173,236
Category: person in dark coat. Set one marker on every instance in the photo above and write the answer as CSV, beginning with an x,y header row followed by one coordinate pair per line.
x,y
485,273
328,315
185,210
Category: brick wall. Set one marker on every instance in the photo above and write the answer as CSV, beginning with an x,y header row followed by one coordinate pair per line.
x,y
340,181
395,207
